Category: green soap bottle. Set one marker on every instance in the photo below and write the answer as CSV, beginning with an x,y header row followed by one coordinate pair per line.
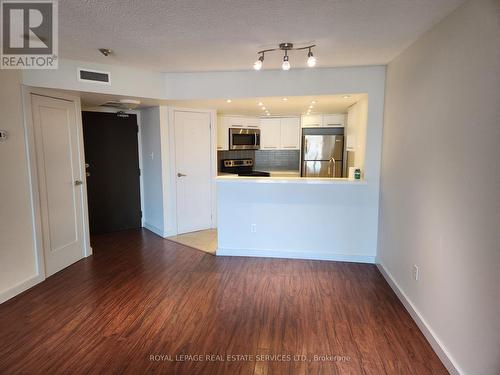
x,y
357,174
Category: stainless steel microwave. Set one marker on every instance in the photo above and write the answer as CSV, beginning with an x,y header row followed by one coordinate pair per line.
x,y
244,139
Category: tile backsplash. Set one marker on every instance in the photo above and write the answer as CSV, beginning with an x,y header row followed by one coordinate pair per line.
x,y
265,160
284,160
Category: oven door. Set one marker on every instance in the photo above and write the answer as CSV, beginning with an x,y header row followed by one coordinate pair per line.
x,y
244,139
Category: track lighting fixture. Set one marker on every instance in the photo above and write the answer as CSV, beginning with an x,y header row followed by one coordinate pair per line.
x,y
258,64
311,60
286,63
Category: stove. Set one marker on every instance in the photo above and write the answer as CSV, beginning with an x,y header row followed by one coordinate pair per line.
x,y
241,167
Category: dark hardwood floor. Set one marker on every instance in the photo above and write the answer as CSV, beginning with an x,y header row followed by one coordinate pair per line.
x,y
140,296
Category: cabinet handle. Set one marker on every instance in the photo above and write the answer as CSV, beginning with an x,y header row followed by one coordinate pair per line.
x,y
290,147
219,147
269,147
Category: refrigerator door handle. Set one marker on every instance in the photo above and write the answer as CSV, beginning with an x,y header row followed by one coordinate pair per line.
x,y
330,171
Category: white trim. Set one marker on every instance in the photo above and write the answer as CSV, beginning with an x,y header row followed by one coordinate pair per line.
x,y
154,229
169,169
141,165
33,178
263,253
436,344
20,287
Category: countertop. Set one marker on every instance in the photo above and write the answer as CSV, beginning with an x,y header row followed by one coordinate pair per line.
x,y
232,178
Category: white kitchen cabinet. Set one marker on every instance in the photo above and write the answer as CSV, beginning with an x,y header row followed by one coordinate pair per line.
x,y
270,134
290,133
334,120
309,121
226,122
251,122
222,134
323,120
234,121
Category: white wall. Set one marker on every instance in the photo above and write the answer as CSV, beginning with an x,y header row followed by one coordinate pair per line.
x,y
124,80
152,170
440,193
330,221
18,269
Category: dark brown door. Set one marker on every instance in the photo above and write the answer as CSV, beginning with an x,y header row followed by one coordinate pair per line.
x,y
112,156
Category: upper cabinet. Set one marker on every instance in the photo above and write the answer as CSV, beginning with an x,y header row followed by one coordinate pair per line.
x,y
222,133
312,120
270,134
275,133
331,120
280,133
251,122
226,122
290,133
335,120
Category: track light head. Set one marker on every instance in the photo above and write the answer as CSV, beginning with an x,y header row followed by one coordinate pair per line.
x,y
258,64
286,63
311,60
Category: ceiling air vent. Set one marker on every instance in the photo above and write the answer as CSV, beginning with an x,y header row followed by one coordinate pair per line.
x,y
95,76
122,104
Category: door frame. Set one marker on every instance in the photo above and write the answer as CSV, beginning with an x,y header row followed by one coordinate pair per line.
x,y
171,188
139,144
33,172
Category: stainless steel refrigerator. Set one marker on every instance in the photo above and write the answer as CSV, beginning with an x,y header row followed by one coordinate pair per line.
x,y
322,153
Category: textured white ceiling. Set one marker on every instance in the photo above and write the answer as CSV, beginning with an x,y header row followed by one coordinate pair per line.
x,y
209,35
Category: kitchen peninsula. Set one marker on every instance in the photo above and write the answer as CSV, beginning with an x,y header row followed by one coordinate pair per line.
x,y
285,184
305,218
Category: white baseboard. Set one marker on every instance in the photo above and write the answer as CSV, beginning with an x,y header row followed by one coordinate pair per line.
x,y
154,229
260,253
424,327
19,288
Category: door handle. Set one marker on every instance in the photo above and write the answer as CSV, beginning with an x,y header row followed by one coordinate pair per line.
x,y
78,182
332,160
181,175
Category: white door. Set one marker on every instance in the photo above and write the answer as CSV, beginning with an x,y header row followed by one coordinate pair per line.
x,y
59,181
193,162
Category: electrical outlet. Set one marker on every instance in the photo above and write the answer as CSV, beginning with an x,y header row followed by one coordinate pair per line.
x,y
253,228
415,272
152,155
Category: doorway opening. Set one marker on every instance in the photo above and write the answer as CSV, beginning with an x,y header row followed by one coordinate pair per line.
x,y
112,170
